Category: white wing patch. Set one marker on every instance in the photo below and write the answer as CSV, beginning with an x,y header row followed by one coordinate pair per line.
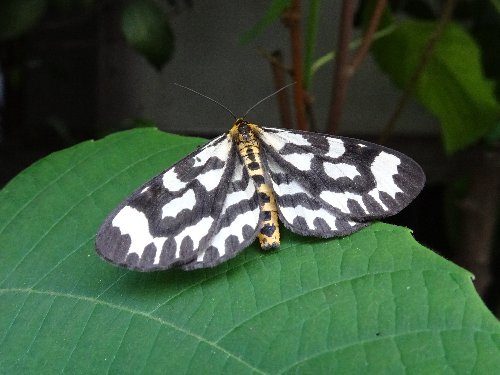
x,y
309,215
383,168
239,196
187,201
340,200
337,147
280,138
194,233
300,161
170,182
340,170
210,179
135,224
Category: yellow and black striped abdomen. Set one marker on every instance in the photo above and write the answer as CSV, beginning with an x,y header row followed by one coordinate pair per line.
x,y
249,149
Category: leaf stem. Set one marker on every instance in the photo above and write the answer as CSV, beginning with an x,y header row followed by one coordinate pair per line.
x,y
279,76
326,58
341,70
424,61
368,35
311,34
291,19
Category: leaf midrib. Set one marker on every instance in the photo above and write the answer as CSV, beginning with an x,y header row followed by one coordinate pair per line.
x,y
133,312
214,344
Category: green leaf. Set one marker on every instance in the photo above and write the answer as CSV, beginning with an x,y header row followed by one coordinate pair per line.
x,y
310,43
274,12
19,16
494,136
372,302
147,30
452,86
496,4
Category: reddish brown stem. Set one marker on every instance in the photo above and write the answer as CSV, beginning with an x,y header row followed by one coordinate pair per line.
x,y
274,61
341,73
310,113
362,51
279,75
424,61
479,212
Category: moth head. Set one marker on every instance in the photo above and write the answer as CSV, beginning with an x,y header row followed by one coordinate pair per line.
x,y
244,131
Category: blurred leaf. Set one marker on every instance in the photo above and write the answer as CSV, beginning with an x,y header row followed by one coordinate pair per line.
x,y
496,5
147,30
453,85
494,136
374,302
310,44
71,6
330,56
138,122
19,16
420,9
485,31
274,12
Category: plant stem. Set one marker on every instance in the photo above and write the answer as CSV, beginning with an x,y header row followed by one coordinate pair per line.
x,y
291,19
279,75
311,34
424,61
309,112
368,35
341,72
478,217
274,61
356,43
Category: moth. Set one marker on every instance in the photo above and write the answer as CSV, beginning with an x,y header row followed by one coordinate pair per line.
x,y
211,205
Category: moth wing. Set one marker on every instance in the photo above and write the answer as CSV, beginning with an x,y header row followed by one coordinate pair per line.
x,y
172,218
330,186
237,224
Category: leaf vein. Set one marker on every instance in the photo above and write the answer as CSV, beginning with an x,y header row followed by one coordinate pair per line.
x,y
369,341
118,347
13,321
89,194
78,340
163,322
292,298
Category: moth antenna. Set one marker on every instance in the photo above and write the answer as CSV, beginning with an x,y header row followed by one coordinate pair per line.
x,y
207,97
267,97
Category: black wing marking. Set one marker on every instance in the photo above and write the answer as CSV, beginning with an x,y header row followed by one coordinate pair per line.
x,y
331,186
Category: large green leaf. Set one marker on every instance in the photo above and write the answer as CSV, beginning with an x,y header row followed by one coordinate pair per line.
x,y
19,16
146,29
274,12
452,86
372,302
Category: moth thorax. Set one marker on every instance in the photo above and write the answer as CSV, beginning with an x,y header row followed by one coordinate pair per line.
x,y
246,135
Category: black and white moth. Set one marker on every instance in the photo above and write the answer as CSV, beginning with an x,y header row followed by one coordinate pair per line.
x,y
215,202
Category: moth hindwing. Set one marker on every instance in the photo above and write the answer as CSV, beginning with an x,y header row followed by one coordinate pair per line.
x,y
215,202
